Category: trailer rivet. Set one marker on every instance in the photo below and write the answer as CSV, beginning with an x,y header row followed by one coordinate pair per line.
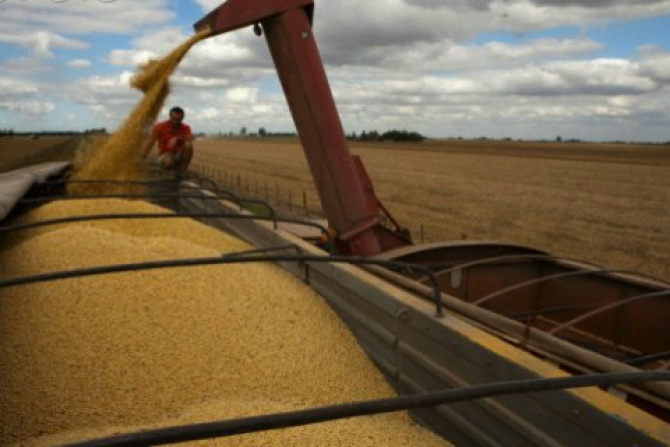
x,y
403,315
304,35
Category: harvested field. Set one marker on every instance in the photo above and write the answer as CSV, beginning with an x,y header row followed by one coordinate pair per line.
x,y
20,151
606,203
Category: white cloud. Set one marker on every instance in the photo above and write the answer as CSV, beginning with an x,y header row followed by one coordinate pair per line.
x,y
42,42
230,50
208,5
109,98
194,81
655,64
130,57
29,107
79,63
534,97
600,77
542,48
83,17
435,57
349,30
223,61
588,99
451,5
10,87
231,110
375,22
160,40
596,77
391,63
600,4
241,95
528,15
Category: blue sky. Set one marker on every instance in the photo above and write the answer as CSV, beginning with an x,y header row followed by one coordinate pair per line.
x,y
498,68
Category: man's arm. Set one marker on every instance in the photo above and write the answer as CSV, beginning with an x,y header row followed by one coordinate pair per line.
x,y
189,134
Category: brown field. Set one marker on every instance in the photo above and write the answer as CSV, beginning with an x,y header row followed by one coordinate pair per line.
x,y
19,151
605,203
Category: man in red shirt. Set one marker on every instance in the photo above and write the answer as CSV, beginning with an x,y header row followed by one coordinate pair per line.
x,y
175,141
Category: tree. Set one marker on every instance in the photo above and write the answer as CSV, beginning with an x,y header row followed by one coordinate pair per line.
x,y
262,132
401,135
243,131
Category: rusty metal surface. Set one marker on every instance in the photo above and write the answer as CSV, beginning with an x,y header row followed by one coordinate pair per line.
x,y
607,307
545,292
439,255
303,79
351,208
235,14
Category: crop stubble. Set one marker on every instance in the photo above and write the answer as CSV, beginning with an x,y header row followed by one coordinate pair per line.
x,y
15,152
601,203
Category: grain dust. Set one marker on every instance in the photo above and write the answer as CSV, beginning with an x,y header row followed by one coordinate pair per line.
x,y
116,158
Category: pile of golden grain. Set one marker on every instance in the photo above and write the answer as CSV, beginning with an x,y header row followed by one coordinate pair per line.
x,y
107,354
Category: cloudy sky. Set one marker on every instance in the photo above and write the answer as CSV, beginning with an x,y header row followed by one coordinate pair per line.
x,y
532,69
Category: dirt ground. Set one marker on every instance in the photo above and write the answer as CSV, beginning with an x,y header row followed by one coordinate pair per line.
x,y
19,151
605,203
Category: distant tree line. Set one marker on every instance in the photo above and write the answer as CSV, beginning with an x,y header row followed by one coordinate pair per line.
x,y
44,133
404,136
372,135
264,133
389,135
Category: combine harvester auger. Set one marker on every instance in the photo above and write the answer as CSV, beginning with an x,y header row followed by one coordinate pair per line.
x,y
460,316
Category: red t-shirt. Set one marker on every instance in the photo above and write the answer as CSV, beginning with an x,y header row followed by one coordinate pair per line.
x,y
164,132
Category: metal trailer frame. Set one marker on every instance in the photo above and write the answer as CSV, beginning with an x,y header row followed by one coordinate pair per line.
x,y
419,352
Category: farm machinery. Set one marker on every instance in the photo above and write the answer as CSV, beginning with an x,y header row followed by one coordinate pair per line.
x,y
456,314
